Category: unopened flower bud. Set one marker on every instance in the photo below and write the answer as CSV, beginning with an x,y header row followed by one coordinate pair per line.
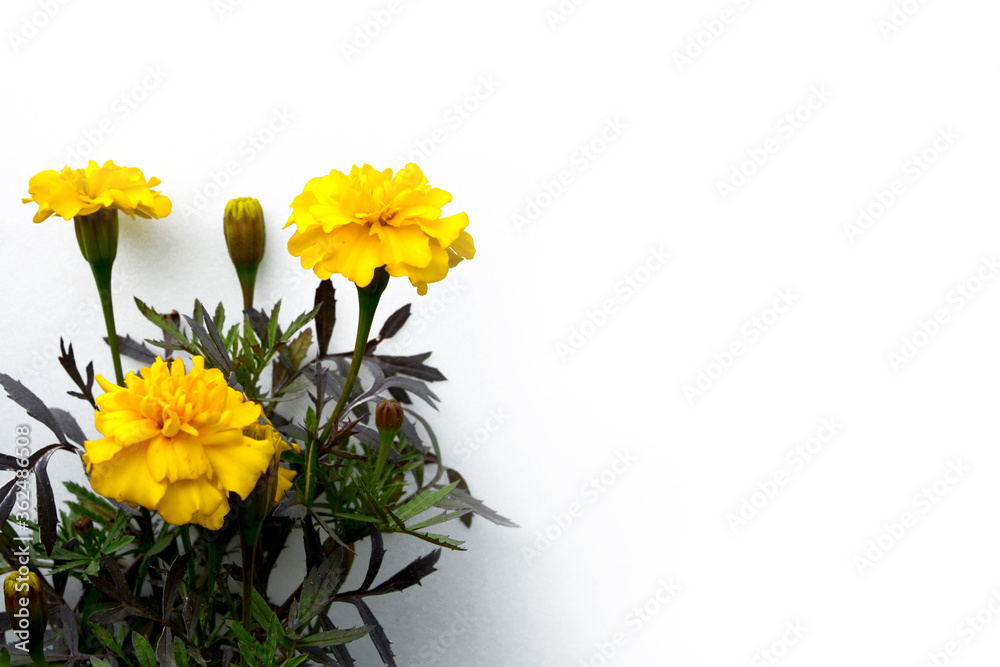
x,y
243,225
83,525
24,600
389,418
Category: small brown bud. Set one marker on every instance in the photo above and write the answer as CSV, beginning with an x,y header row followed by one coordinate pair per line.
x,y
389,418
83,525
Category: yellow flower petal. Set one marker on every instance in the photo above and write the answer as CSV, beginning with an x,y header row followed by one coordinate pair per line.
x,y
126,478
194,501
285,479
239,466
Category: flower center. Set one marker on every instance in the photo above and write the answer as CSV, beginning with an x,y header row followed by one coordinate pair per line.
x,y
171,422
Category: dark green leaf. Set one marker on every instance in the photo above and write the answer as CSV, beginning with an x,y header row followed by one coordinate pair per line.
x,y
394,323
143,651
326,316
162,321
69,426
298,323
134,349
32,404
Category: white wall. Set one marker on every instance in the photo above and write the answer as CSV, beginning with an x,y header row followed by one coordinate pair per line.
x,y
678,130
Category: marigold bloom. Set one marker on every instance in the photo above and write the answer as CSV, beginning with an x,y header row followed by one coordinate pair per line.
x,y
174,443
72,192
354,223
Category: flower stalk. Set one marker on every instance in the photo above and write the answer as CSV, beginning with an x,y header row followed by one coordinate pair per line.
x,y
97,235
368,298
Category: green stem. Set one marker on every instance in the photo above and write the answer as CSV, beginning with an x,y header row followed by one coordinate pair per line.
x,y
102,274
248,277
249,537
97,235
385,444
368,298
186,541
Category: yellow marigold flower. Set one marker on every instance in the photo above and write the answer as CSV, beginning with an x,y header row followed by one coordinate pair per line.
x,y
72,192
174,443
354,223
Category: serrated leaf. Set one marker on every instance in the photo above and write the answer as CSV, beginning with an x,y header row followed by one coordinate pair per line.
x,y
299,348
106,640
47,518
394,323
335,637
161,321
298,323
69,426
144,651
173,582
459,498
326,316
165,649
272,326
423,501
33,405
134,349
411,575
377,633
119,544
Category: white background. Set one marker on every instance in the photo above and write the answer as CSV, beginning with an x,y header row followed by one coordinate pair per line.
x,y
892,80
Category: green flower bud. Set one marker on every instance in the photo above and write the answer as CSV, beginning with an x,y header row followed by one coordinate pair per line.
x,y
243,225
24,599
